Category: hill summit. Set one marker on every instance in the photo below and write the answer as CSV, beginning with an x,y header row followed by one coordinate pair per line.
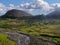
x,y
14,13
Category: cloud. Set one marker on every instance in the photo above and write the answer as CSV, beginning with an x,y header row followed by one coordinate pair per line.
x,y
56,6
27,6
38,4
41,5
2,8
11,6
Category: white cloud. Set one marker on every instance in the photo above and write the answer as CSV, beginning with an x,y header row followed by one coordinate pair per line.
x,y
56,5
38,4
11,6
2,8
42,5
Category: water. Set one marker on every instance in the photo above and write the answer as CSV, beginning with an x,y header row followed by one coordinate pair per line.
x,y
19,38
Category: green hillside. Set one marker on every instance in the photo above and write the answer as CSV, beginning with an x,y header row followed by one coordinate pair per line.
x,y
36,28
5,41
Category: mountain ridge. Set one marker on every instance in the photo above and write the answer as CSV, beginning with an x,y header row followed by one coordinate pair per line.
x,y
54,15
14,13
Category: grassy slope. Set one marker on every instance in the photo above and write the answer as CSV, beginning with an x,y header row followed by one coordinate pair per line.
x,y
5,41
33,28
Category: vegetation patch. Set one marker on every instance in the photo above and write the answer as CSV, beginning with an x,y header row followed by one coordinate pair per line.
x,y
5,41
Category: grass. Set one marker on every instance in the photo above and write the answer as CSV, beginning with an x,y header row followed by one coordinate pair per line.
x,y
32,28
57,39
5,41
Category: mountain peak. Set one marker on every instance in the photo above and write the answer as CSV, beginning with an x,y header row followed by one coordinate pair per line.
x,y
14,13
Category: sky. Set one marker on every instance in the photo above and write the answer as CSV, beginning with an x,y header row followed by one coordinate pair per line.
x,y
34,7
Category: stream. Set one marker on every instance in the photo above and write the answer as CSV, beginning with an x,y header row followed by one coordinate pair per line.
x,y
25,39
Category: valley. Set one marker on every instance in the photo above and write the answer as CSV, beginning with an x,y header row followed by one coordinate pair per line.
x,y
37,31
21,28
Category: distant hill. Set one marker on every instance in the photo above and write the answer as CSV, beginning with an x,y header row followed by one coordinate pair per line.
x,y
15,14
19,14
54,15
37,18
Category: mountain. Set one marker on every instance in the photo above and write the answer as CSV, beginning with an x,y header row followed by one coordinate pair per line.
x,y
37,18
14,13
54,15
19,14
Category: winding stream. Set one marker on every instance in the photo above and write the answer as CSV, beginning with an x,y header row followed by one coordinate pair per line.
x,y
23,39
19,38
